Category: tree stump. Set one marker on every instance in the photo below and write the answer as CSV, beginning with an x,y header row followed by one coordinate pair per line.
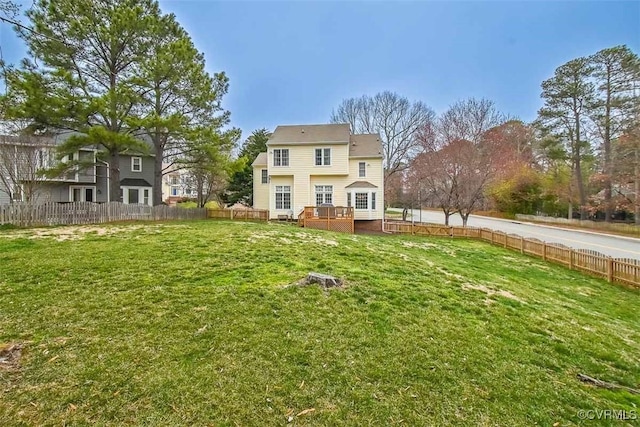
x,y
323,280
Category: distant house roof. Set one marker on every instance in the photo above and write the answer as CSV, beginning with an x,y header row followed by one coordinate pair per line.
x,y
261,160
361,184
311,134
134,182
365,145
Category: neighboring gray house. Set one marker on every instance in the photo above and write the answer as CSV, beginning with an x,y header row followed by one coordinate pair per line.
x,y
20,161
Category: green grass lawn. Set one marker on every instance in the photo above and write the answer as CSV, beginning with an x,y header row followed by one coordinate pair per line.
x,y
202,323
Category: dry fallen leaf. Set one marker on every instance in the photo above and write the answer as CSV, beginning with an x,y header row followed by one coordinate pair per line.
x,y
556,424
305,412
72,406
302,384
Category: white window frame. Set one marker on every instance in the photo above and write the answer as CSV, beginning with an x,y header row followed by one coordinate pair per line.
x,y
133,159
141,197
279,159
362,169
323,155
358,206
83,193
282,191
69,158
264,176
323,191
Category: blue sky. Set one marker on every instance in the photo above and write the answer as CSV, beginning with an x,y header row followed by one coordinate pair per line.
x,y
293,62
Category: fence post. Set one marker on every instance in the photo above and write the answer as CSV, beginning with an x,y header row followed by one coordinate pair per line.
x,y
544,251
609,269
571,259
521,244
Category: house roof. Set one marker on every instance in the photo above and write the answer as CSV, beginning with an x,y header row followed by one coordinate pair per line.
x,y
361,184
365,145
311,134
261,160
134,182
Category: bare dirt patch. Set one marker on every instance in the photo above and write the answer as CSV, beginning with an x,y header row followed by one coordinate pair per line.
x,y
80,232
10,355
491,292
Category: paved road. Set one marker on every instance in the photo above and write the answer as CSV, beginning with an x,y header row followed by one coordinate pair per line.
x,y
615,246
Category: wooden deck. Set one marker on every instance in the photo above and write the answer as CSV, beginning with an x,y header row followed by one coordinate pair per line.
x,y
332,218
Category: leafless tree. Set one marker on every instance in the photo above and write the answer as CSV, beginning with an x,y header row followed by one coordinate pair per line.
x,y
469,119
395,118
22,160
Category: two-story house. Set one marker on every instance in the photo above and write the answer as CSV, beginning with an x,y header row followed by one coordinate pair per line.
x,y
23,160
313,165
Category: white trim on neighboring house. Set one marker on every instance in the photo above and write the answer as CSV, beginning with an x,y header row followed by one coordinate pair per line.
x,y
83,193
141,195
133,159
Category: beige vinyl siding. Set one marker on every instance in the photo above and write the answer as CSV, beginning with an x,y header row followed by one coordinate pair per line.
x,y
302,160
260,190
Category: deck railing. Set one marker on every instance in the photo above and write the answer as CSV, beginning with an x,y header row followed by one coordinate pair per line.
x,y
333,218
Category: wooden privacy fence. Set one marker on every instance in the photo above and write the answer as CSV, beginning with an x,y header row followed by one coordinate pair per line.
x,y
77,213
239,214
622,270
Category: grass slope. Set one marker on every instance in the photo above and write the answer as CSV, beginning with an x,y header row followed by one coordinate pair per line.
x,y
194,323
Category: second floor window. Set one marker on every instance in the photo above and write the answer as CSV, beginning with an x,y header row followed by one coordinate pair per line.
x,y
323,156
265,176
136,164
362,169
281,157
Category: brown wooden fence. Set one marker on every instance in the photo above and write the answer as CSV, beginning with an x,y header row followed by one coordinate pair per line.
x,y
31,215
622,270
239,214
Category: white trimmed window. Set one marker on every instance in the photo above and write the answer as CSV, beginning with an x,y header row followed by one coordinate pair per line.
x,y
283,197
265,176
82,194
323,156
136,164
362,201
362,169
132,195
281,157
373,201
348,200
324,194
